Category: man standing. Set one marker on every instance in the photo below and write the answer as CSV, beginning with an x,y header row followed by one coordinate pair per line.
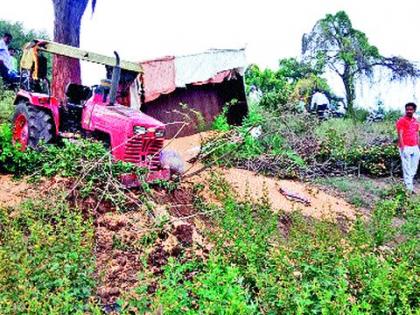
x,y
408,141
319,103
13,60
6,63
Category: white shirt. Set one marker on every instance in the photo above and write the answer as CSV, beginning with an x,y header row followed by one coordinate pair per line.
x,y
319,99
4,54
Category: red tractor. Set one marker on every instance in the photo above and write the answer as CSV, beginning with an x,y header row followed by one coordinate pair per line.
x,y
39,117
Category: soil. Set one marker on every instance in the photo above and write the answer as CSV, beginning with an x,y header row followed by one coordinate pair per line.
x,y
322,205
14,191
117,253
119,247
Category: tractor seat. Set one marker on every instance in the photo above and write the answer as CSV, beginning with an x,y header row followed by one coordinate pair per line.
x,y
77,94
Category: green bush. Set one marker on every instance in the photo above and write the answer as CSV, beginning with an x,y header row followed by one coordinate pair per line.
x,y
67,159
361,114
6,104
46,260
195,287
392,115
370,148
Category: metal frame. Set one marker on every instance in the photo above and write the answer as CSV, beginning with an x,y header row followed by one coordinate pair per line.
x,y
77,53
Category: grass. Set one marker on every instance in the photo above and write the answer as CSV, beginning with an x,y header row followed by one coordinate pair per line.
x,y
356,132
359,191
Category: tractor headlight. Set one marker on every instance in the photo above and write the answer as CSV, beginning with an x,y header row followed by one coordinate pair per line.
x,y
139,130
160,133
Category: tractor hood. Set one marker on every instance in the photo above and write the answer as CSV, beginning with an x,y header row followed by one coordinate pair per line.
x,y
135,116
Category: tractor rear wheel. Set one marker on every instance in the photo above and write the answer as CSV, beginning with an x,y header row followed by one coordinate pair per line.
x,y
31,126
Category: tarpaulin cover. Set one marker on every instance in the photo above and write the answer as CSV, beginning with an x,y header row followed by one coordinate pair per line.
x,y
218,78
162,76
202,67
158,77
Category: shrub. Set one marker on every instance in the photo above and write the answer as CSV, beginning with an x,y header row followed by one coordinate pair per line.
x,y
210,287
361,114
368,148
6,104
392,115
46,259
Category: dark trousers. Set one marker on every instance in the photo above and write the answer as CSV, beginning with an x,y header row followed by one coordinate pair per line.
x,y
7,77
320,110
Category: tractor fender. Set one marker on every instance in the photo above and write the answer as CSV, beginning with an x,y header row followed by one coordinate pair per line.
x,y
49,103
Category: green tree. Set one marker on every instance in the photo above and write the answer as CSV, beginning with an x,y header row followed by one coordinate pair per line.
x,y
293,81
334,44
67,23
275,87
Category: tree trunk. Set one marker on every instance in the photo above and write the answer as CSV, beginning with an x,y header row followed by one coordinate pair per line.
x,y
67,21
348,82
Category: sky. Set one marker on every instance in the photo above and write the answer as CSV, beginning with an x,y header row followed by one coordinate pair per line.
x,y
269,30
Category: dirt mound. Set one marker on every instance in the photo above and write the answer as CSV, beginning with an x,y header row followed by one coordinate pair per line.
x,y
125,240
12,191
117,253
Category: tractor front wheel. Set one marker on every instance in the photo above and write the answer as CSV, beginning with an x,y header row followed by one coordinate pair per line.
x,y
31,126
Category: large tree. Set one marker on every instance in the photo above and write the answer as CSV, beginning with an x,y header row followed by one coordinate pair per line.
x,y
334,44
67,22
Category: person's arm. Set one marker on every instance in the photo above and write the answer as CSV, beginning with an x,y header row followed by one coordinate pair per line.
x,y
400,139
418,135
399,126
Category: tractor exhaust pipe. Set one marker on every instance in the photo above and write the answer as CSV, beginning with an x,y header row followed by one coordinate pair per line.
x,y
115,79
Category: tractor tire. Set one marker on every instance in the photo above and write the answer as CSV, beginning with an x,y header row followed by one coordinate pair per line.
x,y
31,126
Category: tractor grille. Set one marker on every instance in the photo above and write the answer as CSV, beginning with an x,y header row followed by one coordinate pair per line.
x,y
143,150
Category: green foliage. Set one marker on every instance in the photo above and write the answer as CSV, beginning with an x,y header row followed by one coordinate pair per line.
x,y
381,221
305,87
68,159
46,262
317,269
195,287
89,161
6,104
238,141
370,148
275,88
290,144
220,123
392,115
283,88
360,114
